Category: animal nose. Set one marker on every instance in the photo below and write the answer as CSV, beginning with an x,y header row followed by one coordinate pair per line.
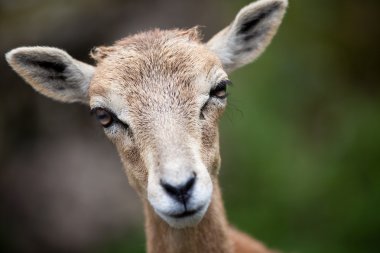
x,y
180,192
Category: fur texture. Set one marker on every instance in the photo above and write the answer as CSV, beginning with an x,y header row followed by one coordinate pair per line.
x,y
52,72
162,93
249,34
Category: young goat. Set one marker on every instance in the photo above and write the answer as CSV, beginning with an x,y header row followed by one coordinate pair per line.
x,y
159,96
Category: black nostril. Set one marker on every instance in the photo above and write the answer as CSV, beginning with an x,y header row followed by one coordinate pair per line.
x,y
180,192
189,184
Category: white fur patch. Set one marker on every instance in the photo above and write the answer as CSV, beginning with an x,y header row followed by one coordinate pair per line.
x,y
177,171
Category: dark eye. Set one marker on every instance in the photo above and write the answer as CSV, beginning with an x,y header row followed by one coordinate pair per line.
x,y
104,117
107,118
220,91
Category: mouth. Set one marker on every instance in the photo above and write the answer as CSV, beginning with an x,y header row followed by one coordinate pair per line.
x,y
186,213
186,218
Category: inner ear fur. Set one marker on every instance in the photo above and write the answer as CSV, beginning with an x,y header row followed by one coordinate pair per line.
x,y
249,34
52,72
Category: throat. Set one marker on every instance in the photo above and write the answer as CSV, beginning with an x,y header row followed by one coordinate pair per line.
x,y
210,235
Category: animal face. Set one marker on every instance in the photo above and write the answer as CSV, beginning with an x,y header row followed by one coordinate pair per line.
x,y
159,96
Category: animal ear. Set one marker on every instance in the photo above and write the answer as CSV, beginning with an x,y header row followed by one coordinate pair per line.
x,y
249,34
52,72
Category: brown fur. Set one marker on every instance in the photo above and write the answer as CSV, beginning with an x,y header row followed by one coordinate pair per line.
x,y
158,84
154,62
167,64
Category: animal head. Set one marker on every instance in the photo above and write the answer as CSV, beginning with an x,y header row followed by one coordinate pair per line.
x,y
159,96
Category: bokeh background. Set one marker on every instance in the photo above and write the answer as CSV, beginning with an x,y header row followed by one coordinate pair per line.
x,y
300,139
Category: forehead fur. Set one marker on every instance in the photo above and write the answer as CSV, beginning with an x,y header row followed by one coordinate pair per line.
x,y
155,59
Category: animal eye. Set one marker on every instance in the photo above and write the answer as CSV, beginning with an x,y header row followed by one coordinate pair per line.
x,y
107,118
104,117
220,91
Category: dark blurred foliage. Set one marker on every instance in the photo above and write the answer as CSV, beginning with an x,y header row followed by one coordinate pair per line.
x,y
300,139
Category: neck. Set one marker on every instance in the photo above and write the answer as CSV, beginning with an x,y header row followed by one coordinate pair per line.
x,y
210,235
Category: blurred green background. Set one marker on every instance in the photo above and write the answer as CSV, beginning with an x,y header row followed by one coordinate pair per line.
x,y
300,139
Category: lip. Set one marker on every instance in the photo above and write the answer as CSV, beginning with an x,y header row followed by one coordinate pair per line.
x,y
184,218
186,213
